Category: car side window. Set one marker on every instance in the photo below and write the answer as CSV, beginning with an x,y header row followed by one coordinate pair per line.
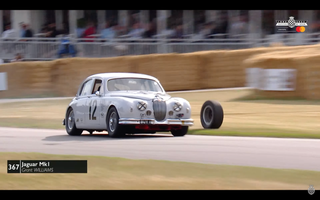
x,y
97,86
86,88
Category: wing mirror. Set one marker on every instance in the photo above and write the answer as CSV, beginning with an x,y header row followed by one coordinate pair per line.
x,y
98,93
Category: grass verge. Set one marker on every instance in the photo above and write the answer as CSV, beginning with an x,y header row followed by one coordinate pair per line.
x,y
119,173
274,134
243,116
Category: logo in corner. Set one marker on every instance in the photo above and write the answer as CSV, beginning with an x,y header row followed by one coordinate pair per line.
x,y
284,25
311,190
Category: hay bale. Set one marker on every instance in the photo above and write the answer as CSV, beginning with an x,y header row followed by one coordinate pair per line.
x,y
303,61
198,70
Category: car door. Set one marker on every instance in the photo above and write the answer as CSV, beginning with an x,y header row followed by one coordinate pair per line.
x,y
80,105
93,104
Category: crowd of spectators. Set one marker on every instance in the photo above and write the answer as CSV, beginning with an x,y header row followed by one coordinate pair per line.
x,y
136,30
223,25
47,30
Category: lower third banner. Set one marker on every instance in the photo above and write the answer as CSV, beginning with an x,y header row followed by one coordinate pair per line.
x,y
47,166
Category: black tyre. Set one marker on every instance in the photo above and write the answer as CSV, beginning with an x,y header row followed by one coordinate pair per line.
x,y
211,115
113,127
180,132
71,124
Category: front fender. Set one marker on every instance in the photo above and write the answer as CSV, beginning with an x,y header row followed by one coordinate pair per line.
x,y
124,106
186,107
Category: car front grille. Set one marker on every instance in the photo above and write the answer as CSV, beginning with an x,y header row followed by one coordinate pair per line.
x,y
159,109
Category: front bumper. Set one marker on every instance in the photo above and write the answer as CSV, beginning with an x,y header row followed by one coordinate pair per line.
x,y
134,121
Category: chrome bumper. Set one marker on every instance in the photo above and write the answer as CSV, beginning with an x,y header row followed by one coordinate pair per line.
x,y
133,121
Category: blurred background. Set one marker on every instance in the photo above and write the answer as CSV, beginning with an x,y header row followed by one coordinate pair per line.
x,y
51,34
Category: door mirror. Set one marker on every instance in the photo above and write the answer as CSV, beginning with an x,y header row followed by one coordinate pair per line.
x,y
97,93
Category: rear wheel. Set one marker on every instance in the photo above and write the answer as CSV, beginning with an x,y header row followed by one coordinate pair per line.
x,y
71,124
180,132
113,127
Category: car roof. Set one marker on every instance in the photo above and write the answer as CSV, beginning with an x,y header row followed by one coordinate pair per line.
x,y
121,75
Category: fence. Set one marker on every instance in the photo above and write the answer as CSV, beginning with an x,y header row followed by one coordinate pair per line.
x,y
47,48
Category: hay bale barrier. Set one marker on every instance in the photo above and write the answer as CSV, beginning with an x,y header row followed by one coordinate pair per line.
x,y
304,62
198,70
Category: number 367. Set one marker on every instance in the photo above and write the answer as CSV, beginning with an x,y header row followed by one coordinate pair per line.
x,y
13,166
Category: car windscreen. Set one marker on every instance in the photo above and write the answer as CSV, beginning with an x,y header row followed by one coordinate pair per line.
x,y
126,84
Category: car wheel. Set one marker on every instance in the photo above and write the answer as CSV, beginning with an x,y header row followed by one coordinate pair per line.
x,y
211,115
113,127
180,132
71,124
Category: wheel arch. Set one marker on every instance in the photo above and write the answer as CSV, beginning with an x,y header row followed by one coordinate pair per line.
x,y
111,106
67,110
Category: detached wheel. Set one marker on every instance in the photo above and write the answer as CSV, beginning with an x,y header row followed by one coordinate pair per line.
x,y
211,115
71,124
180,132
113,127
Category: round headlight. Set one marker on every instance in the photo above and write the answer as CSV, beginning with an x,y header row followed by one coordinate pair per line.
x,y
177,106
142,106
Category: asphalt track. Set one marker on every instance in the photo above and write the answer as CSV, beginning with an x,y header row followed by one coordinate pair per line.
x,y
243,151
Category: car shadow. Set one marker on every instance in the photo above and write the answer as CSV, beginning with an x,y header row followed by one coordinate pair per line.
x,y
102,136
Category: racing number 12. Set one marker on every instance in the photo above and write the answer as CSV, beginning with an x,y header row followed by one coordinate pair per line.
x,y
94,105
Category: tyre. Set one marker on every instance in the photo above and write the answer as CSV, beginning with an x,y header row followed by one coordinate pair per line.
x,y
211,115
180,132
71,124
113,127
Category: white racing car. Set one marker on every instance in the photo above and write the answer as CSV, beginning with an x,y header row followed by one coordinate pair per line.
x,y
123,103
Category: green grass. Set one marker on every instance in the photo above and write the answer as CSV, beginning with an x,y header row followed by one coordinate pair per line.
x,y
118,173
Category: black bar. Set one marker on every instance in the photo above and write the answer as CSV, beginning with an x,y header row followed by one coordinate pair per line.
x,y
50,166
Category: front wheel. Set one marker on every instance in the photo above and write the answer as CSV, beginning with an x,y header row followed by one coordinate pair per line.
x,y
71,124
113,127
180,132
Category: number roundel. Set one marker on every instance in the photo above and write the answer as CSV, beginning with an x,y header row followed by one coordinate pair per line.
x,y
92,110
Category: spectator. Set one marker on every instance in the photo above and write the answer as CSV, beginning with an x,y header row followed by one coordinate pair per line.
x,y
80,27
9,33
178,33
136,31
22,29
206,31
119,30
66,48
239,27
44,28
51,30
65,29
222,27
315,26
91,29
18,58
28,31
150,32
169,32
133,19
109,32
